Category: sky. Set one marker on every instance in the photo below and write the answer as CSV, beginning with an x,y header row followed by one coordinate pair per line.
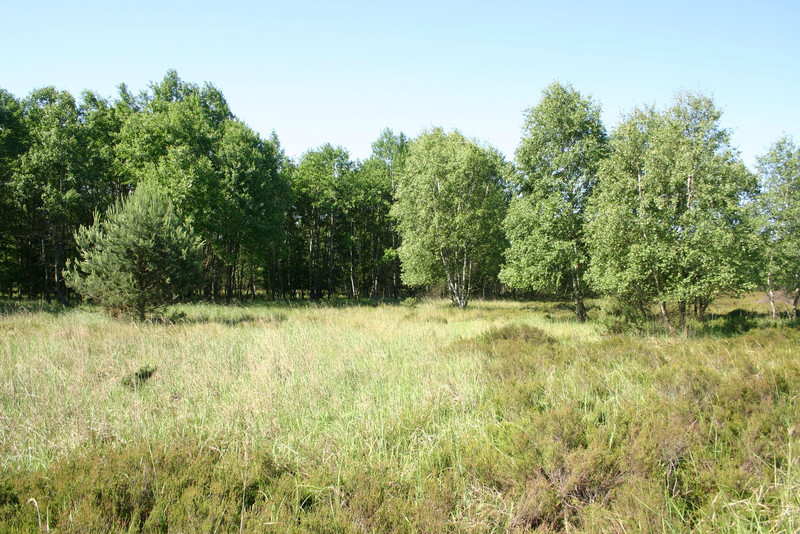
x,y
340,72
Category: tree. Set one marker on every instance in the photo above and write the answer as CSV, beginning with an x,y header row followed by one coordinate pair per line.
x,y
216,169
449,206
250,198
563,143
56,169
321,182
101,182
13,143
380,174
48,184
338,226
669,223
139,257
779,204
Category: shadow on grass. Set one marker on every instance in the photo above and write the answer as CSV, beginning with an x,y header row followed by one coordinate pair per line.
x,y
338,302
244,319
13,307
136,380
250,312
739,321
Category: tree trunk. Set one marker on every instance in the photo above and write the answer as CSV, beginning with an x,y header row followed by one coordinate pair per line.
x,y
311,263
466,276
577,290
682,315
317,289
373,286
30,264
229,285
353,287
665,316
46,273
771,296
580,307
58,281
702,306
458,283
330,260
287,283
451,283
395,268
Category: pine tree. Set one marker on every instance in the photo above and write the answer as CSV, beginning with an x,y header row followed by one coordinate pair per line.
x,y
138,258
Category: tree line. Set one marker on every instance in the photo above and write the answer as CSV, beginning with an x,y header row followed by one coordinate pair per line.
x,y
660,212
309,228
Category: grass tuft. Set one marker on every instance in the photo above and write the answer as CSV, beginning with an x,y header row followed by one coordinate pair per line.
x,y
137,379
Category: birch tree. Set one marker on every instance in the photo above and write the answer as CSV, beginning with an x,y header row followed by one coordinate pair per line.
x,y
558,158
449,208
779,170
669,225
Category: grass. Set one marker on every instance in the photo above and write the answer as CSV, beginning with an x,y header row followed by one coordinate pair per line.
x,y
416,417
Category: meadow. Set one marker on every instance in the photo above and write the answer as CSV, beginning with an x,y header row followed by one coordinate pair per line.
x,y
408,417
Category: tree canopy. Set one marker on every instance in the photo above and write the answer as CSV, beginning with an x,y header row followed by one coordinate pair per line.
x,y
562,146
779,170
449,206
661,214
668,223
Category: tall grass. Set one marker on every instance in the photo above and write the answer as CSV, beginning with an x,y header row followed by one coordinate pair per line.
x,y
293,379
504,416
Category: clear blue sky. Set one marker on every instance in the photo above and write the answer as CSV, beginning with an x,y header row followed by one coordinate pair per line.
x,y
340,72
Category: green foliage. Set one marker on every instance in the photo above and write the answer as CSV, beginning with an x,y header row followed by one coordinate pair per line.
x,y
12,134
707,440
324,183
380,173
668,223
563,143
65,175
139,257
673,202
155,487
63,170
253,194
779,206
12,145
449,206
216,170
48,181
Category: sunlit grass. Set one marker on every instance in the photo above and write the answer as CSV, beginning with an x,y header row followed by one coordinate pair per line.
x,y
404,417
293,378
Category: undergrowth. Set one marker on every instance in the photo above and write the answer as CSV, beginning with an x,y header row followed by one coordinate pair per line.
x,y
414,418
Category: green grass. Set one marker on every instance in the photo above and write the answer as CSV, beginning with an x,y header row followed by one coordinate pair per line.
x,y
414,417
